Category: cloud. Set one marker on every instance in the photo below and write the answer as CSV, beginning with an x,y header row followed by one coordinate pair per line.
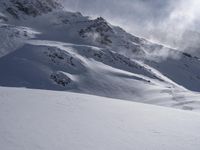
x,y
182,19
129,11
164,21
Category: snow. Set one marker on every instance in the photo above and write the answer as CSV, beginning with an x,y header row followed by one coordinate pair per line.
x,y
37,119
13,37
184,71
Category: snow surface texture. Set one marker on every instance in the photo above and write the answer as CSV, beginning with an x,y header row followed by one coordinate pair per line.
x,y
36,119
54,49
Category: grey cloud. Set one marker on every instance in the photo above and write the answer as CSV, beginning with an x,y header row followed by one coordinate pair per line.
x,y
160,20
132,10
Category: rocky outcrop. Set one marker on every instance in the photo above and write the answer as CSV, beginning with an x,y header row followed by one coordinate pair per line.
x,y
33,8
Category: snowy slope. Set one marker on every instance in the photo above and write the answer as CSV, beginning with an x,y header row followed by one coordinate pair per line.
x,y
13,37
35,119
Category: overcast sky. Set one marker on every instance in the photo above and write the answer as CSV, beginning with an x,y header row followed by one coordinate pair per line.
x,y
147,18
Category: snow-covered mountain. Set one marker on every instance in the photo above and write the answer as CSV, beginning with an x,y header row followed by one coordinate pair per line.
x,y
46,47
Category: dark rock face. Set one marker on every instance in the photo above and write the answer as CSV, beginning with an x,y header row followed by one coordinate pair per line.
x,y
59,57
60,79
99,26
30,7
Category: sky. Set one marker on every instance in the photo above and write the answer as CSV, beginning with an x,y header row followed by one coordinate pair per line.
x,y
156,20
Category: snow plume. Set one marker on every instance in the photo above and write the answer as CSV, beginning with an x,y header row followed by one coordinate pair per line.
x,y
162,54
93,36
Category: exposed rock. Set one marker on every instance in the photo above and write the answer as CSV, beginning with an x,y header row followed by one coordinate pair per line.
x,y
60,78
